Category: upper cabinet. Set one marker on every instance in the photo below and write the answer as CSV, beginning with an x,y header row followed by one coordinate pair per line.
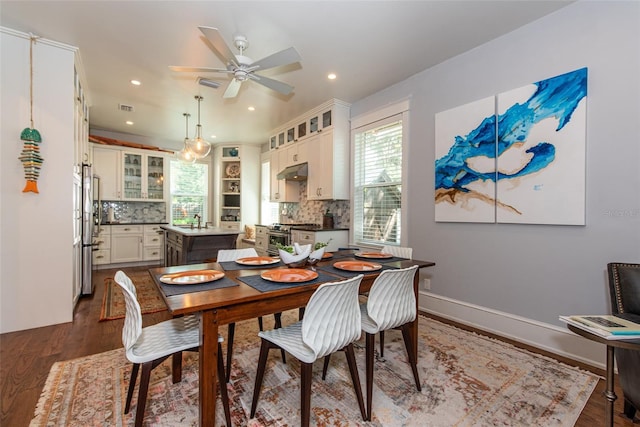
x,y
321,139
321,118
128,175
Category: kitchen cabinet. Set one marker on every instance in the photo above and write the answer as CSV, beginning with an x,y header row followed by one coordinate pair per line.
x,y
126,243
106,164
336,238
129,175
281,190
153,242
324,117
143,176
102,246
185,246
262,240
328,166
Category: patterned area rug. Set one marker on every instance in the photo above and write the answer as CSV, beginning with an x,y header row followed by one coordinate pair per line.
x,y
113,306
467,380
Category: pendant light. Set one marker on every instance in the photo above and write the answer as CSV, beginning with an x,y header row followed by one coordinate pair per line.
x,y
198,146
185,155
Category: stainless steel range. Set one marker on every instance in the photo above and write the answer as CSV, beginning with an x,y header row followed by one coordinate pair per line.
x,y
280,234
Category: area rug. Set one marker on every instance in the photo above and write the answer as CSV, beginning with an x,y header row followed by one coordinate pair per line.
x,y
467,380
113,305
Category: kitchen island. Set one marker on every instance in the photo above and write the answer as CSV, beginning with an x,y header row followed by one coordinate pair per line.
x,y
185,245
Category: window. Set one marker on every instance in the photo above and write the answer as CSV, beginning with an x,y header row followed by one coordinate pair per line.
x,y
189,192
377,176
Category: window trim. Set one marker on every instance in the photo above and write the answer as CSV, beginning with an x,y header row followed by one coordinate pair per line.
x,y
369,120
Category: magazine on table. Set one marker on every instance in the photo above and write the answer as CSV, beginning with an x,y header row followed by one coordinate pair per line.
x,y
611,327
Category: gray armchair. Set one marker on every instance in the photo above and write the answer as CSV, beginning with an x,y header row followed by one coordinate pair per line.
x,y
624,287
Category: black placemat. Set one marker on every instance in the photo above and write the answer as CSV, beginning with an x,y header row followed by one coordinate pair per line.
x,y
232,266
262,285
348,274
171,290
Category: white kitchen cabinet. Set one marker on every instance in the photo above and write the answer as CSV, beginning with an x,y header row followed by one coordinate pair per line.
x,y
107,165
143,176
153,242
328,166
262,240
336,238
129,175
127,242
281,190
102,246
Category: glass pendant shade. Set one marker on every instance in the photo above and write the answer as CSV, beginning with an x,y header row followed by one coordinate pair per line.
x,y
198,146
185,155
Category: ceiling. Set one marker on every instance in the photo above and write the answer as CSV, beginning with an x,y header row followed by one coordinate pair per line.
x,y
369,45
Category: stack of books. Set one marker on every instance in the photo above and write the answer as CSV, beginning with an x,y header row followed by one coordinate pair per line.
x,y
607,326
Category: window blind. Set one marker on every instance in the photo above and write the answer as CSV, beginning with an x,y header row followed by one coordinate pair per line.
x,y
378,182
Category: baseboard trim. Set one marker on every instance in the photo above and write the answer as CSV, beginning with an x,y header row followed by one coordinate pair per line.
x,y
541,335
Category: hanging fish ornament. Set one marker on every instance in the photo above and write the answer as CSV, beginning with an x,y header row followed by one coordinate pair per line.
x,y
30,155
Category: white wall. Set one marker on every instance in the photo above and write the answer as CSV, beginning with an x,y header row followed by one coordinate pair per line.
x,y
36,230
536,272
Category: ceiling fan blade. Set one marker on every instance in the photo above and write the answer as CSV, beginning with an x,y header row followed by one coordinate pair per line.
x,y
232,89
218,43
276,85
284,57
198,69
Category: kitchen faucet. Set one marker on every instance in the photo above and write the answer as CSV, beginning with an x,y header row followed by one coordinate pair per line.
x,y
199,218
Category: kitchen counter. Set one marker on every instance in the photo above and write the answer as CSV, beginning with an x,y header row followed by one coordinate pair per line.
x,y
193,246
187,231
307,228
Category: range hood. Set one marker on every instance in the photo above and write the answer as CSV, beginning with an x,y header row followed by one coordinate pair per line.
x,y
295,173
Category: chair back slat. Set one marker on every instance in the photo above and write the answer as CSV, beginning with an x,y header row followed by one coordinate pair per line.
x,y
391,301
225,255
133,316
332,317
399,251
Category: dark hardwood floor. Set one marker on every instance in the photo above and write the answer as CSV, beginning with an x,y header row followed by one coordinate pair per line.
x,y
27,356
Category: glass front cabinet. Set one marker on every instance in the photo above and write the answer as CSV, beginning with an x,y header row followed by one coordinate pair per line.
x,y
143,176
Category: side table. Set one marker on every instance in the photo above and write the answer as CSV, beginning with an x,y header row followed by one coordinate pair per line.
x,y
609,393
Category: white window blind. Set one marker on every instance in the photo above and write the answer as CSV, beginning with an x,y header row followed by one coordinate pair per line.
x,y
378,182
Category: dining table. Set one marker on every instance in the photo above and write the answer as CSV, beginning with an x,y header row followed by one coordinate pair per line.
x,y
242,293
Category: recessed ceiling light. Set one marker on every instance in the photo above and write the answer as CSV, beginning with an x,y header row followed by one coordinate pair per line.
x,y
129,122
332,76
251,108
213,136
136,82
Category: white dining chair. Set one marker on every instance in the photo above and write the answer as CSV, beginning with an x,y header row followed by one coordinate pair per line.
x,y
331,323
226,255
151,345
399,251
391,304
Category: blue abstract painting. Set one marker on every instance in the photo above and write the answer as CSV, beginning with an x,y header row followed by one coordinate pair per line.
x,y
518,157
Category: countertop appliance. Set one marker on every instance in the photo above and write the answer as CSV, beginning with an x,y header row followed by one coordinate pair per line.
x,y
90,222
280,234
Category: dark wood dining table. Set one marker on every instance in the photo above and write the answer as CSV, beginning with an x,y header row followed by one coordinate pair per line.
x,y
242,302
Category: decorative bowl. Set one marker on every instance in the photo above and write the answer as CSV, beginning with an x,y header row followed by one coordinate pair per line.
x,y
316,256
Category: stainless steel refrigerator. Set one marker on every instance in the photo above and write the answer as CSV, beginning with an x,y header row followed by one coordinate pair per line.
x,y
91,218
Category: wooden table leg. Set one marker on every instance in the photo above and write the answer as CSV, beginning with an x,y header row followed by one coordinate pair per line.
x,y
208,363
609,393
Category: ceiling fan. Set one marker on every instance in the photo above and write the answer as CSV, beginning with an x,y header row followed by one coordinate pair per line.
x,y
241,67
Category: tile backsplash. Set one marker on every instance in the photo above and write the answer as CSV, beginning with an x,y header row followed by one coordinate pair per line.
x,y
312,211
135,211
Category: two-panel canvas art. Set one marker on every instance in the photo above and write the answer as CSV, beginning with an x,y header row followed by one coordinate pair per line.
x,y
518,157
